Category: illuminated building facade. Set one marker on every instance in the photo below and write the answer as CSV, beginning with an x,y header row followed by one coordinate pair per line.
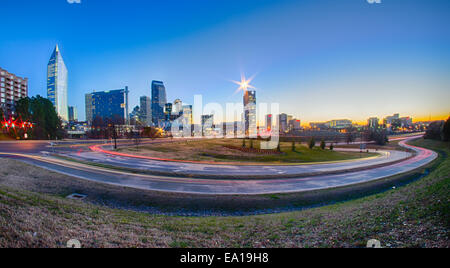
x,y
159,100
73,114
108,105
12,89
146,111
250,113
57,84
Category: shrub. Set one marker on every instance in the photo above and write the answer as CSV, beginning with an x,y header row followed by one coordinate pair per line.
x,y
332,147
312,143
322,145
447,130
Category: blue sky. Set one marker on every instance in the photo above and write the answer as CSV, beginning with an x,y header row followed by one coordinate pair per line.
x,y
320,59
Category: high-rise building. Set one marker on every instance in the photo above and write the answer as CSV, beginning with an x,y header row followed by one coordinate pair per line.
x,y
108,105
73,114
250,113
168,108
57,84
269,122
283,122
146,111
12,89
207,124
177,107
188,117
159,100
294,124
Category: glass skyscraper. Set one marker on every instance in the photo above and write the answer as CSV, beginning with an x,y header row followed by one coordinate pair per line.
x,y
57,84
250,114
159,101
108,105
146,111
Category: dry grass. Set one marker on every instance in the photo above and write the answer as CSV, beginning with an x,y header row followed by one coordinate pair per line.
x,y
221,150
416,215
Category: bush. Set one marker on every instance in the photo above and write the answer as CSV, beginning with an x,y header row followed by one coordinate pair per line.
x,y
332,147
251,144
447,130
243,143
293,146
312,143
322,145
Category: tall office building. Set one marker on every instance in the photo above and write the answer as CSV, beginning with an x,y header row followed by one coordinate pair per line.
x,y
57,84
188,117
168,108
146,111
283,122
269,122
159,100
250,113
207,124
73,114
177,107
108,105
12,89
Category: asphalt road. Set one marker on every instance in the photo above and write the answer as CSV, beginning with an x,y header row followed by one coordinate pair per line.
x,y
32,152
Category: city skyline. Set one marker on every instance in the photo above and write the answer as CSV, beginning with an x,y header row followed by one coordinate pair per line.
x,y
370,71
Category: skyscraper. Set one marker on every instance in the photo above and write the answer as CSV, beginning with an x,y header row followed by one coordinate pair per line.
x,y
177,107
159,101
73,114
168,108
146,111
269,122
283,122
57,83
108,105
250,113
188,117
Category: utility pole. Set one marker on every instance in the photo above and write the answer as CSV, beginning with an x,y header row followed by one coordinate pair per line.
x,y
114,136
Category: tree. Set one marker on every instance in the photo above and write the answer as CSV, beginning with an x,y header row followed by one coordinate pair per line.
x,y
312,143
379,136
447,130
322,145
151,132
435,131
42,113
350,138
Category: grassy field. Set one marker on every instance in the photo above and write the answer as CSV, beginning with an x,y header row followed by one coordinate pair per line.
x,y
416,215
218,150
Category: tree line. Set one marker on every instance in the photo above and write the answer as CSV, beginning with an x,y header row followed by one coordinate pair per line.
x,y
46,124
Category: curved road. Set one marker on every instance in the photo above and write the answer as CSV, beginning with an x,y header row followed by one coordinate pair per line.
x,y
31,152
